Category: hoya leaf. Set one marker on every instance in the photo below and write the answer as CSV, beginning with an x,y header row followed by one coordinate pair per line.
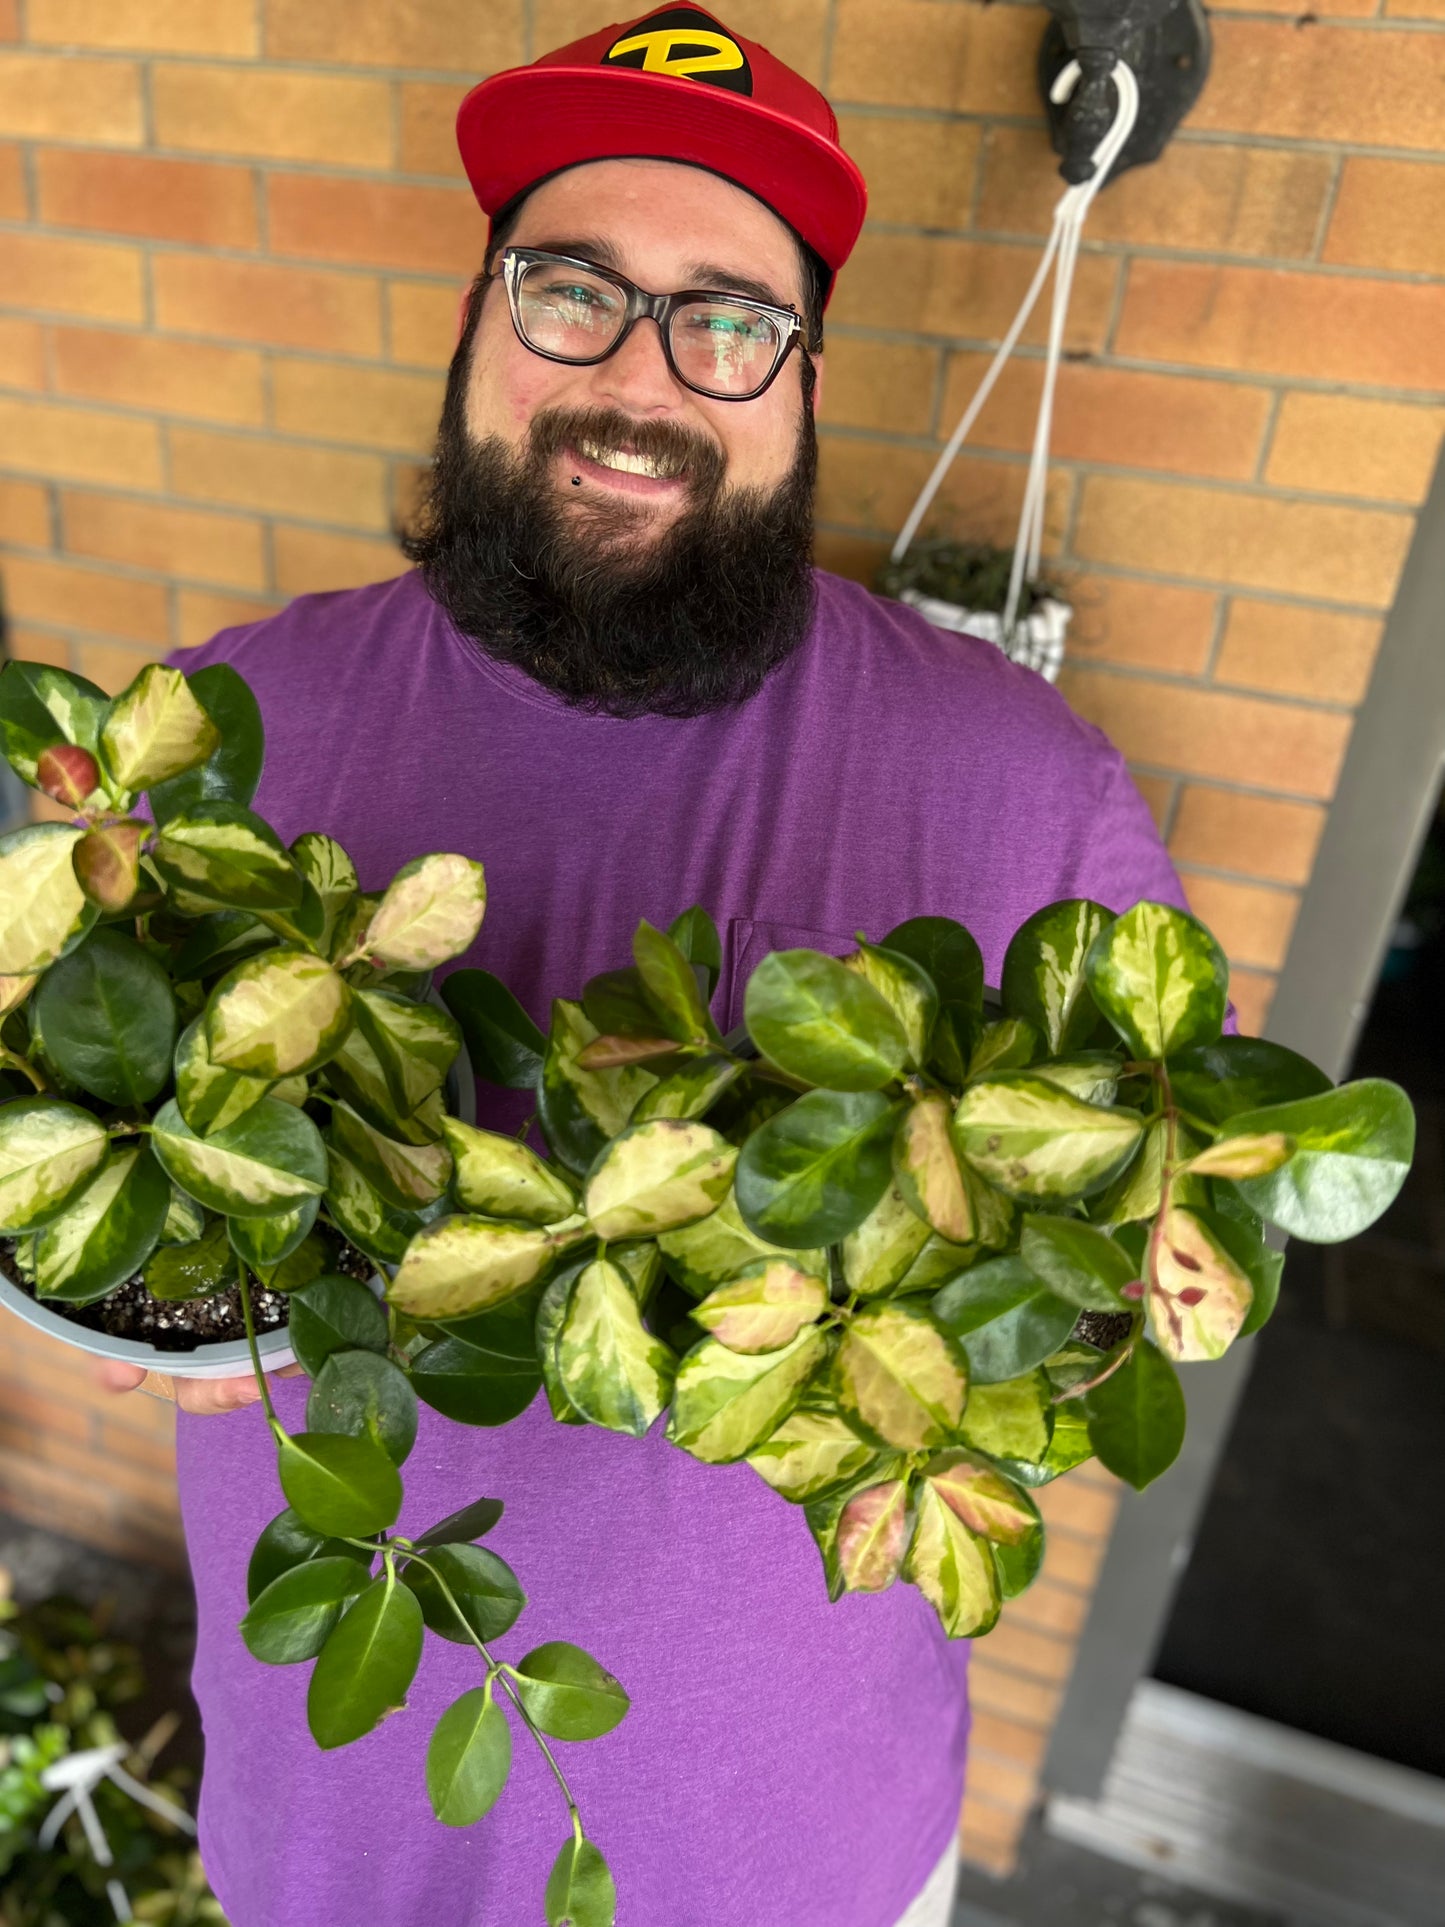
x,y
266,1243
292,1618
473,1521
232,770
222,853
195,1269
1199,1294
1353,1147
107,864
612,1368
41,707
708,1252
468,1263
954,963
271,1158
282,1012
332,876
407,1176
431,912
1136,1417
49,1152
108,1016
334,1314
1010,1044
925,1169
366,1396
1005,1317
481,1383
155,729
1160,978
906,988
1214,1082
726,1403
654,1177
1077,1262
341,1486
107,1234
484,1588
987,1502
695,935
764,1307
879,1253
812,1173
689,1092
821,1022
580,1889
1011,1421
369,1661
872,1535
414,1044
376,1227
581,1111
209,1097
500,1177
671,984
286,1543
899,1377
811,1453
1044,979
468,1759
46,911
952,1567
1033,1141
568,1694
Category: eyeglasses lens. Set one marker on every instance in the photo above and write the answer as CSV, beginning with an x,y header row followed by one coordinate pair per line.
x,y
719,347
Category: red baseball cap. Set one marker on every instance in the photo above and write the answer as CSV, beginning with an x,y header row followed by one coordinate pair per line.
x,y
674,84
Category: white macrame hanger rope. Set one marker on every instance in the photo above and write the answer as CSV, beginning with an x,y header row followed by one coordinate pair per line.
x,y
1063,243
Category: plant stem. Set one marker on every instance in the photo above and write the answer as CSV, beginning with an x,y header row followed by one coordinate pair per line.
x,y
278,1430
496,1669
22,1065
1078,1391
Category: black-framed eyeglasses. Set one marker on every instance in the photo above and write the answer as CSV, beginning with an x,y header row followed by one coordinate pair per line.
x,y
726,346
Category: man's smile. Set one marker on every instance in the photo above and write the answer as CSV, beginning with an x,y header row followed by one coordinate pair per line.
x,y
629,473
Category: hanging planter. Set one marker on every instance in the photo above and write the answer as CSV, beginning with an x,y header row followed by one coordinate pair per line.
x,y
964,586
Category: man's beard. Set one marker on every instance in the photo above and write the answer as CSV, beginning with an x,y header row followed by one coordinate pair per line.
x,y
578,591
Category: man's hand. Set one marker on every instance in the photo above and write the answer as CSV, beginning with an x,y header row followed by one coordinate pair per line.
x,y
205,1395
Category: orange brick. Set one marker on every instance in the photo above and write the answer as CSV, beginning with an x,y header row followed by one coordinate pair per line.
x,y
1252,993
14,199
308,561
1390,214
1415,9
201,615
38,645
1074,1505
92,599
187,543
122,1482
871,484
24,514
9,19
154,371
1142,625
1000,1783
1256,836
998,1689
22,354
1075,1561
920,171
859,557
1252,923
1249,538
94,278
432,230
1320,327
424,321
1225,200
968,289
136,194
1006,1739
114,665
282,478
24,1411
254,301
1037,1654
1341,445
429,127
1049,1608
1177,423
1354,84
1317,653
276,116
150,26
80,445
124,1445
1203,732
1323,10
879,384
1158,793
55,97
371,408
397,33
927,53
989,1836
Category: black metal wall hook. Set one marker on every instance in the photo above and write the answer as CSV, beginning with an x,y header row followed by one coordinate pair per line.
x,y
1166,43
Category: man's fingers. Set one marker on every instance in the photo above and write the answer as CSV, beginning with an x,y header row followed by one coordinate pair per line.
x,y
113,1376
202,1395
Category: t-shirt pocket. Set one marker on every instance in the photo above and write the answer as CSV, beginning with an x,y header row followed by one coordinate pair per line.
x,y
747,941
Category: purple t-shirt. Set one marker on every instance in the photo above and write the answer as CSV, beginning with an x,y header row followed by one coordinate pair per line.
x,y
786,1762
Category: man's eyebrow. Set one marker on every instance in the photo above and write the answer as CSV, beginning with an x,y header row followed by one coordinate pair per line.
x,y
698,274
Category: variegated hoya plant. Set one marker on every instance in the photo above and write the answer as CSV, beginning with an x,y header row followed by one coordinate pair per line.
x,y
909,1248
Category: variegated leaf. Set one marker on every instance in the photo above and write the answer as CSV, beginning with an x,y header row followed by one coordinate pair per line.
x,y
880,1253
414,1044
46,911
431,911
107,863
271,1159
907,989
873,1535
1160,978
1253,1155
1007,1045
381,1230
811,1453
408,1176
331,874
925,1167
900,1377
726,1403
1199,1295
582,1111
987,1502
657,1176
688,1092
155,729
276,1014
1032,1140
467,1264
49,1152
211,1097
1044,977
1009,1421
713,1249
220,853
14,991
953,1568
502,1178
612,1369
764,1308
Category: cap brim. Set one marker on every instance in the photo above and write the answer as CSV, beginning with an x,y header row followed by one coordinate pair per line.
x,y
532,121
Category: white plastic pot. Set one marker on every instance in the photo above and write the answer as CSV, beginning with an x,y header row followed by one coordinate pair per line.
x,y
1037,641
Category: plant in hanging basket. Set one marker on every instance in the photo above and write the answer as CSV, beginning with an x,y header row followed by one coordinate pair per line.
x,y
909,1249
963,586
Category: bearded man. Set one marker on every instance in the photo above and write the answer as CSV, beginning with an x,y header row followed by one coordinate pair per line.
x,y
614,675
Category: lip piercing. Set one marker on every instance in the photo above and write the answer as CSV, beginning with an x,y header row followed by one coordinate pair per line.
x,y
576,481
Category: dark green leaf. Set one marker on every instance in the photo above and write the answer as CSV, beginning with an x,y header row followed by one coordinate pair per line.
x,y
468,1759
1215,1081
232,772
217,941
695,935
580,1888
226,854
334,1314
474,1521
953,960
1043,973
670,984
367,1664
616,1001
40,707
341,1486
287,1542
366,1396
821,1022
1077,1262
472,1385
271,1159
483,1586
812,1174
1136,1417
568,1694
1005,1317
193,1270
109,1018
293,1617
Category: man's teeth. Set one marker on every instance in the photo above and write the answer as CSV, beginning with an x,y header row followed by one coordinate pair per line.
x,y
629,464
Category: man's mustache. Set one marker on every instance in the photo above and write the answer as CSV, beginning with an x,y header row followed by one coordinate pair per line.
x,y
555,430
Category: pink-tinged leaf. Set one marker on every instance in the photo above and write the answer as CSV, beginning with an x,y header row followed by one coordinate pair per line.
x,y
1251,1156
986,1502
926,1167
67,773
872,1536
1199,1296
107,863
14,991
610,1053
764,1308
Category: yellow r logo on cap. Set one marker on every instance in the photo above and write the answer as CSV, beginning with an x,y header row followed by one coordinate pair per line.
x,y
662,51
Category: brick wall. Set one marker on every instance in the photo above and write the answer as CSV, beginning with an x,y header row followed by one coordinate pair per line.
x,y
232,240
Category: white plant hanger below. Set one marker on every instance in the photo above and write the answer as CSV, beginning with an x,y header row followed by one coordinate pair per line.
x,y
1064,239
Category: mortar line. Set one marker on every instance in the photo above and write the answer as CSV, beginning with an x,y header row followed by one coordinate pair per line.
x,y
1328,205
